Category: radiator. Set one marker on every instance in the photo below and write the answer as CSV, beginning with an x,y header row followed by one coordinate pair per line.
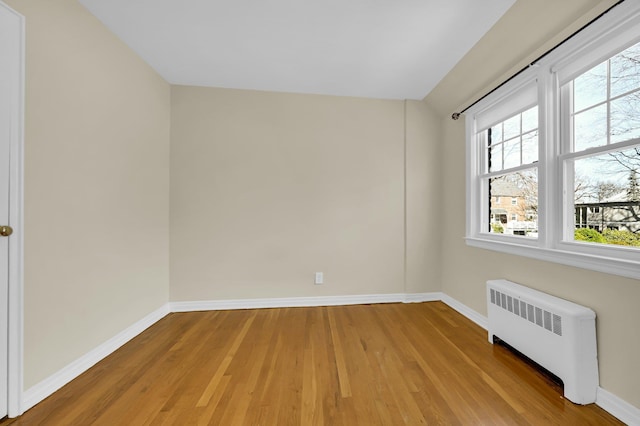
x,y
557,334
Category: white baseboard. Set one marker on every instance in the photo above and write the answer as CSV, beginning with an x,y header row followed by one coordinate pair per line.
x,y
290,302
618,407
42,390
423,297
474,316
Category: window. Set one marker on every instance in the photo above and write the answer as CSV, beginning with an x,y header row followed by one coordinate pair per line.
x,y
602,160
511,149
562,141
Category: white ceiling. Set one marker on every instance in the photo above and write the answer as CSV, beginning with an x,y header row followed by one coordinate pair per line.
x,y
390,49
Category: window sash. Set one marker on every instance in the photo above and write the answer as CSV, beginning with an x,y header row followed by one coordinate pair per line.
x,y
568,114
567,162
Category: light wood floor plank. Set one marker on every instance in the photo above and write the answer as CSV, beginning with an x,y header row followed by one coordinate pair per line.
x,y
211,387
387,364
341,364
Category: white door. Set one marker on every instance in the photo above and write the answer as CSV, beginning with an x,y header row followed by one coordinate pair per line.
x,y
4,221
10,71
5,130
4,256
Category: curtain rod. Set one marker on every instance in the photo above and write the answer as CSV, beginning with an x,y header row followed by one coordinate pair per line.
x,y
456,115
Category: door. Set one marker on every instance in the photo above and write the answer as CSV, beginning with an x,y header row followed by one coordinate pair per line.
x,y
4,261
5,138
11,57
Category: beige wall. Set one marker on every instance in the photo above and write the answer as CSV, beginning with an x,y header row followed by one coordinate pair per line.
x,y
613,298
96,179
268,188
423,198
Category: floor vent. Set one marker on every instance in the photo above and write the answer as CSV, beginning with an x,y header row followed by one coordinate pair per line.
x,y
555,333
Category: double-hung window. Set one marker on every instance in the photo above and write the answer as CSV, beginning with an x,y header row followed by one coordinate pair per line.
x,y
561,141
507,149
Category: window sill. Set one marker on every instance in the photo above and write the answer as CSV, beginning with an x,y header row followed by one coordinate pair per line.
x,y
609,265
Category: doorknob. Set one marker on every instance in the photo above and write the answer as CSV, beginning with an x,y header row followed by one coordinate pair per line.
x,y
5,231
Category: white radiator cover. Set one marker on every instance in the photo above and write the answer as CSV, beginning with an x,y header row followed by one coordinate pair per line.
x,y
555,333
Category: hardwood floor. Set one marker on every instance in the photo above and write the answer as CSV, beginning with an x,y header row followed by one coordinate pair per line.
x,y
388,364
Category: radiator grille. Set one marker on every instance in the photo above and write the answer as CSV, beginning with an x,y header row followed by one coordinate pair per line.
x,y
534,314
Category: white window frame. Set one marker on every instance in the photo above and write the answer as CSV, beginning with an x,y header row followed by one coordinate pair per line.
x,y
613,32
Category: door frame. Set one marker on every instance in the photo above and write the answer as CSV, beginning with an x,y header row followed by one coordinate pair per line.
x,y
16,199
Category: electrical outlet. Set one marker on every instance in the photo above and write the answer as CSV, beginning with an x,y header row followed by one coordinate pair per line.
x,y
319,278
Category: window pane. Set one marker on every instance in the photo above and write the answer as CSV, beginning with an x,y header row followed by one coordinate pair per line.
x,y
530,119
590,128
496,133
513,201
511,153
625,118
495,158
607,198
625,71
511,127
530,148
590,88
